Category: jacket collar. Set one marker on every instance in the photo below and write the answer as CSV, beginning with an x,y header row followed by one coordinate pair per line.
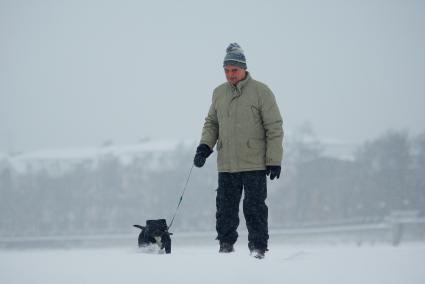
x,y
241,84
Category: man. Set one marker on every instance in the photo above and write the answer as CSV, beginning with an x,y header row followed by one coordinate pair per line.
x,y
245,123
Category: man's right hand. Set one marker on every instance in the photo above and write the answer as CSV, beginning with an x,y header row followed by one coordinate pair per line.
x,y
202,153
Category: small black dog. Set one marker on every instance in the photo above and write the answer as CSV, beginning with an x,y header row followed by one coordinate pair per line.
x,y
155,232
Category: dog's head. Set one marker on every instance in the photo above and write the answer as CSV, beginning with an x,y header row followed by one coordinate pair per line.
x,y
157,227
154,228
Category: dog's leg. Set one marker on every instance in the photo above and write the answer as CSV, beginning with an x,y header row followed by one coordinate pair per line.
x,y
166,242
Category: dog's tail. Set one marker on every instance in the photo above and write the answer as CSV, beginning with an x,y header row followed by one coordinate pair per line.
x,y
138,226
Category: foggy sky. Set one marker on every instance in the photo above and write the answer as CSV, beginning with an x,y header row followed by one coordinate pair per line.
x,y
77,73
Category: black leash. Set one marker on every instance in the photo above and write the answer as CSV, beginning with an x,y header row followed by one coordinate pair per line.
x,y
181,197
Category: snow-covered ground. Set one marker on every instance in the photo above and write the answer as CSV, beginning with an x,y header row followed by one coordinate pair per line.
x,y
200,263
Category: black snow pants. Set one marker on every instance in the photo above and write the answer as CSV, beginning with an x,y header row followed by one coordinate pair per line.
x,y
229,192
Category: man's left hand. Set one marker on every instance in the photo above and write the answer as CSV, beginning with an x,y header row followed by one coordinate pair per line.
x,y
273,171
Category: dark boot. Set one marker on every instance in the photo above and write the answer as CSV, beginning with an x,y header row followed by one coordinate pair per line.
x,y
226,248
258,253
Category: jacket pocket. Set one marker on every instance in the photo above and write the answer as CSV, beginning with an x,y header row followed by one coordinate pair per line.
x,y
253,155
256,114
256,144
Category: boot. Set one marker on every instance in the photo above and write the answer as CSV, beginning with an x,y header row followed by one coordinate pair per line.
x,y
258,253
226,248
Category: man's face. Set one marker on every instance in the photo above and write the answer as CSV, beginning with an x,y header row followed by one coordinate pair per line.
x,y
234,74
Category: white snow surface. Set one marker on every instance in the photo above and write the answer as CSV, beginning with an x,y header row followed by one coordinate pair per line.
x,y
203,264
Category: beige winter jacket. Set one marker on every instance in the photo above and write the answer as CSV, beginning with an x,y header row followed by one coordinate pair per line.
x,y
245,123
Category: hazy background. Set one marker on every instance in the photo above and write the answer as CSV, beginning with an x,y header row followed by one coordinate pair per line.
x,y
78,73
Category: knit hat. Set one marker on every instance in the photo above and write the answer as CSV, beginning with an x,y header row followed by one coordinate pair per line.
x,y
234,56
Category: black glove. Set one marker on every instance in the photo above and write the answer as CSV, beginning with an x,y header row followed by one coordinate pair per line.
x,y
273,171
202,153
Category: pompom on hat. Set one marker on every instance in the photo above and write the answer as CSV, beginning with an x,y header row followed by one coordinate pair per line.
x,y
234,56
